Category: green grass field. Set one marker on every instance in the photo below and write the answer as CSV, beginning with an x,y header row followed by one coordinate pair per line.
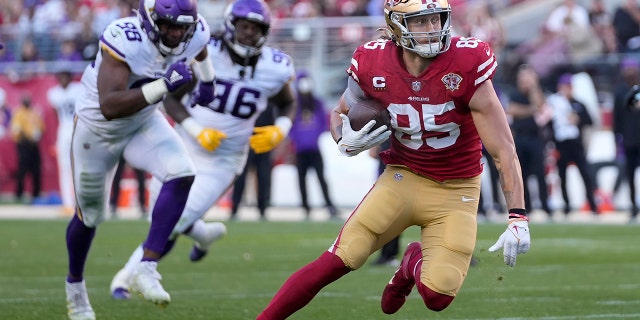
x,y
571,272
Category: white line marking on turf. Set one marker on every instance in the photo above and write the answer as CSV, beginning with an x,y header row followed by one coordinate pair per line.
x,y
591,316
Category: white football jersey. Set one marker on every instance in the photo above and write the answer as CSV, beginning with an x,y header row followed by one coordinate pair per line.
x,y
64,101
126,41
239,100
241,95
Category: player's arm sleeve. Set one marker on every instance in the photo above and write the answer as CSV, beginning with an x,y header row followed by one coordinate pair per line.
x,y
285,97
204,28
483,68
353,93
201,37
113,41
357,78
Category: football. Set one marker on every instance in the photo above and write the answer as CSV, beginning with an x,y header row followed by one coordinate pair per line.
x,y
364,111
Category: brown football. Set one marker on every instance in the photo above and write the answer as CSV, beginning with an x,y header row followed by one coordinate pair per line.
x,y
366,110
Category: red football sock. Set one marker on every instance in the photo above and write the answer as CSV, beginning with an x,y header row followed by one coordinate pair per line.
x,y
303,285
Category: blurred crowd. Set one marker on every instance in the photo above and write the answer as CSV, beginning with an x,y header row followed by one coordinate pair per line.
x,y
35,30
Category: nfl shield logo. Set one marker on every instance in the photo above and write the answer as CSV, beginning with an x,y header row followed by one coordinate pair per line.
x,y
416,86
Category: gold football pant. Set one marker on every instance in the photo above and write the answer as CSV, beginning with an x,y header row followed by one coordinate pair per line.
x,y
445,211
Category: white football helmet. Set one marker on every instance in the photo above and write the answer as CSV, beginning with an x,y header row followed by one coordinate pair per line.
x,y
396,13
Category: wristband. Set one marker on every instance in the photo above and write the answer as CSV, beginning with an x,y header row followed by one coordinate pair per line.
x,y
205,70
284,123
517,213
154,91
192,127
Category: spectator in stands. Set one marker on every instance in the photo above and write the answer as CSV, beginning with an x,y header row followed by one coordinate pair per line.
x,y
6,55
571,21
312,119
68,51
543,53
373,8
569,117
485,26
568,11
62,97
29,51
26,11
49,18
11,14
280,8
127,6
108,11
353,8
330,8
530,114
482,24
459,20
305,9
601,21
626,22
626,123
27,127
75,13
87,41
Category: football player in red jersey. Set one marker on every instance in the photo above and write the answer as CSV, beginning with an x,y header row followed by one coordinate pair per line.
x,y
442,104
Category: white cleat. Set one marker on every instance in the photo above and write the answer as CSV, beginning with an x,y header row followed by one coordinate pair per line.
x,y
146,282
212,232
120,284
78,305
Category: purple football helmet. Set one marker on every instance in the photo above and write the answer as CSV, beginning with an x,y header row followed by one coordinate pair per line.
x,y
256,11
175,12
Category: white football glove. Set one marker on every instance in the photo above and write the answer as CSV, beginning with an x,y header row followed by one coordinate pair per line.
x,y
354,142
515,239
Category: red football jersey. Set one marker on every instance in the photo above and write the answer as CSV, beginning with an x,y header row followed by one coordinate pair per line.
x,y
433,131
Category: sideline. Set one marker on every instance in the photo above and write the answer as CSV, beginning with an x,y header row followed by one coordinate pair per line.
x,y
13,211
249,213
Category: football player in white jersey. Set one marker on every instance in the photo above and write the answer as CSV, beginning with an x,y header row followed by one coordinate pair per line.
x,y
249,75
143,60
62,98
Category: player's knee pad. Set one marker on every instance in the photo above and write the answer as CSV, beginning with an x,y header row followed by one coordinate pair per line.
x,y
353,255
92,199
433,300
92,219
177,168
445,278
